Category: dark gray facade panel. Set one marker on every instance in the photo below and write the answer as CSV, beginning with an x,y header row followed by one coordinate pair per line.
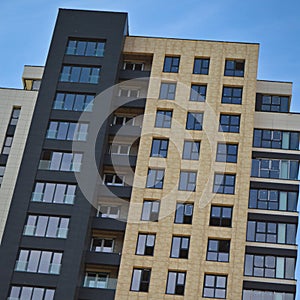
x,y
76,24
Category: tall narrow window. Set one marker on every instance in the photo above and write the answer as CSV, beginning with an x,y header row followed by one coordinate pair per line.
x,y
140,280
150,211
184,213
176,283
167,91
201,66
145,244
180,247
171,64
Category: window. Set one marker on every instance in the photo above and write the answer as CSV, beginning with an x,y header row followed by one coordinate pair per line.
x,y
269,295
264,138
171,64
229,123
80,74
60,161
220,216
124,120
102,245
15,116
7,145
184,213
114,179
232,95
2,170
145,244
191,150
46,226
198,93
97,280
108,211
155,179
54,192
269,266
159,148
30,293
275,168
129,92
224,183
150,211
270,232
234,67
273,200
272,103
163,119
180,247
67,131
140,280
120,149
201,66
45,262
133,66
167,91
227,152
187,181
218,250
85,48
36,84
215,286
194,121
176,283
73,102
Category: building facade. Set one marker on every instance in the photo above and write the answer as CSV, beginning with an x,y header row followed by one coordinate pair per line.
x,y
16,110
154,168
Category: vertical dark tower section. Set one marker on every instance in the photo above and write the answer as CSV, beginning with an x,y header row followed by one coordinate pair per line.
x,y
77,25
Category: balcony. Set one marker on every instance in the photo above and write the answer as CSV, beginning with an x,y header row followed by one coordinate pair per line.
x,y
129,102
103,258
121,130
108,224
134,74
120,160
96,293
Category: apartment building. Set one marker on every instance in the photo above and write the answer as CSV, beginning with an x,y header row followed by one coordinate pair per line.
x,y
16,110
155,168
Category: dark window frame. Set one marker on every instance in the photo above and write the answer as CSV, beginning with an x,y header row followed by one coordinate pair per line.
x,y
189,185
183,250
201,65
158,182
222,251
214,288
232,95
166,121
153,215
144,241
219,218
178,287
194,120
224,183
184,208
144,280
234,67
189,148
228,154
171,64
198,92
229,123
167,91
162,147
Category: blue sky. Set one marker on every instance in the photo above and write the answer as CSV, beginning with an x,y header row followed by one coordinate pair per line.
x,y
26,29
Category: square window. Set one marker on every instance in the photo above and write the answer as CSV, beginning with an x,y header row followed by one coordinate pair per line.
x,y
187,181
184,213
167,91
194,121
175,283
191,150
232,95
140,280
155,178
220,216
198,92
159,148
171,64
227,152
215,286
234,67
150,211
201,66
218,250
180,247
145,244
229,123
224,183
163,119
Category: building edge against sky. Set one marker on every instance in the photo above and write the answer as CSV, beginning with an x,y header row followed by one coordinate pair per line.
x,y
210,210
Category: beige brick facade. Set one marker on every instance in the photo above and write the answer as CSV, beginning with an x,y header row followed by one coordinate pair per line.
x,y
196,265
